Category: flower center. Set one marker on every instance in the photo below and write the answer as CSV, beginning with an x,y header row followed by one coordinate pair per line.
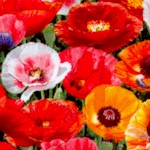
x,y
109,116
35,74
135,3
148,129
145,66
78,84
98,25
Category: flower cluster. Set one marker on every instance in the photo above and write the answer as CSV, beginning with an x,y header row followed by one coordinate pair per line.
x,y
74,74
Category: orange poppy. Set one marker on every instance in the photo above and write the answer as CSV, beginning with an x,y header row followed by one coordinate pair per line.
x,y
138,130
134,69
108,110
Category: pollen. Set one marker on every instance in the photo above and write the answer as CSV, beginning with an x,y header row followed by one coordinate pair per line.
x,y
35,74
98,25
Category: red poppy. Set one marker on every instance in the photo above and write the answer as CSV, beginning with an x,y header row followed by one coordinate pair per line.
x,y
55,119
134,7
73,144
90,67
6,146
104,25
12,122
34,13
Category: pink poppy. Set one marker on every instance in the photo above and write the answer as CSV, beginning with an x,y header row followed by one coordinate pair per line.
x,y
32,65
90,67
72,144
66,5
12,31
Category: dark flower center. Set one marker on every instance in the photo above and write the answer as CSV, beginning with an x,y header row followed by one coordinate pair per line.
x,y
148,129
78,84
145,66
97,25
109,116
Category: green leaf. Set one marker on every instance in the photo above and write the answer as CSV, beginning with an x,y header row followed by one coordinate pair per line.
x,y
120,147
49,35
59,94
106,146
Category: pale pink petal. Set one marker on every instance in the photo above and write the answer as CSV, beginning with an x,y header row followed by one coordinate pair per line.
x,y
36,54
146,11
16,69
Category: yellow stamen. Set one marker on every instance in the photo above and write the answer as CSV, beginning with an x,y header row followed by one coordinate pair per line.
x,y
98,25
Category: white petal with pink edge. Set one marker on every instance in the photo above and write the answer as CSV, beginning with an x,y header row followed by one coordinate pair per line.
x,y
35,66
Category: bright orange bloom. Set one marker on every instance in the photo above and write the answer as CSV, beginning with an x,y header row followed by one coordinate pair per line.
x,y
108,110
138,130
54,119
134,7
134,69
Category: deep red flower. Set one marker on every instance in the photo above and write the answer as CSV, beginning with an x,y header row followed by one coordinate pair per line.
x,y
55,119
13,122
6,146
134,7
72,144
104,25
90,67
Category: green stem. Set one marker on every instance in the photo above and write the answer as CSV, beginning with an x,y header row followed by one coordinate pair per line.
x,y
98,140
50,93
42,95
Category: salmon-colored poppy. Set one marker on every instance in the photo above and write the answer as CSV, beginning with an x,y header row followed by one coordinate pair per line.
x,y
55,119
90,67
134,7
138,130
13,122
108,110
134,69
104,25
72,144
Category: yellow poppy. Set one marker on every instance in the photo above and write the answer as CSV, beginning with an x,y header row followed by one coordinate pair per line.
x,y
108,110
